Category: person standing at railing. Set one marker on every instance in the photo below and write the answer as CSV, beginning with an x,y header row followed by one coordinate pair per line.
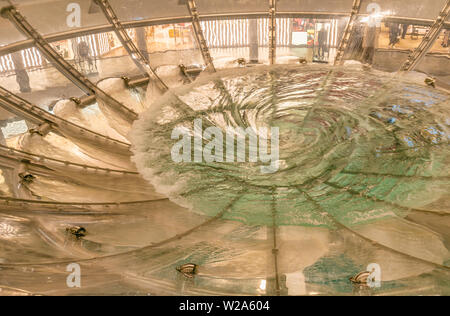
x,y
321,40
404,30
85,56
446,39
394,30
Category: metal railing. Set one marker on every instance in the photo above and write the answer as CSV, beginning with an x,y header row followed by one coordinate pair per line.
x,y
428,40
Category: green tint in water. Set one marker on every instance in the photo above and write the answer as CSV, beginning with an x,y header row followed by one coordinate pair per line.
x,y
354,146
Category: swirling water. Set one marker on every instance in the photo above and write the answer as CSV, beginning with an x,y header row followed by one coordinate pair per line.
x,y
363,178
354,147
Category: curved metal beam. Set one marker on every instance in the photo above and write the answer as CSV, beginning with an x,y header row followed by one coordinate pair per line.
x,y
136,55
8,201
428,40
198,32
347,33
49,162
35,114
63,66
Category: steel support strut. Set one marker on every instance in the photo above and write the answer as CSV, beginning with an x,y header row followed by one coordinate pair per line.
x,y
347,33
198,32
428,40
32,113
272,31
136,55
62,65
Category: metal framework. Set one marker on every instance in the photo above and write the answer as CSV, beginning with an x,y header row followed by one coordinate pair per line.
x,y
60,36
62,65
136,55
48,163
48,121
347,33
198,32
272,31
427,42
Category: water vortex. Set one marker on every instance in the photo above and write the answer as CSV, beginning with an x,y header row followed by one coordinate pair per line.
x,y
355,146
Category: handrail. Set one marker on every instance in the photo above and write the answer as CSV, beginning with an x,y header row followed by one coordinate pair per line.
x,y
40,158
23,108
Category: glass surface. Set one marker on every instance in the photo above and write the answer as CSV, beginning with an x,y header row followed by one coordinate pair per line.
x,y
8,33
359,180
65,15
98,56
431,64
339,6
231,6
136,10
414,8
376,196
30,75
169,48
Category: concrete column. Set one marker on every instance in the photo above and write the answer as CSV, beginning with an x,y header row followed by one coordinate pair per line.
x,y
2,136
253,40
141,40
21,74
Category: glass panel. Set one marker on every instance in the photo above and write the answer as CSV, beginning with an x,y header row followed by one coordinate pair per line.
x,y
231,6
134,10
9,33
314,5
411,8
170,46
436,63
98,55
383,44
395,43
103,60
442,44
238,41
30,75
229,41
306,39
65,15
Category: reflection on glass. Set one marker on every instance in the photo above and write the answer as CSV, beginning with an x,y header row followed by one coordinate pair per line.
x,y
442,44
29,74
401,35
98,55
168,44
64,15
170,37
